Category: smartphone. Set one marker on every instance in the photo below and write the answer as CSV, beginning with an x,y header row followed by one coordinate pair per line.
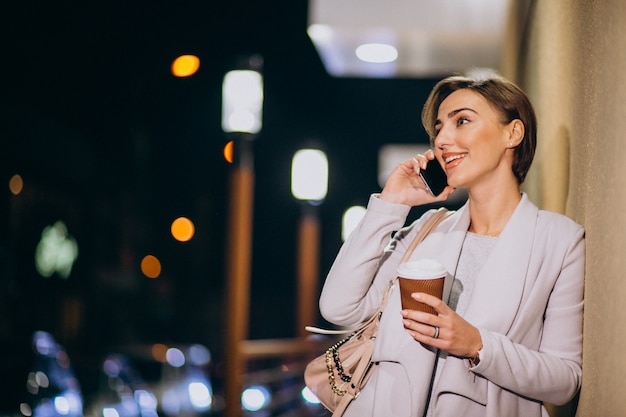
x,y
434,177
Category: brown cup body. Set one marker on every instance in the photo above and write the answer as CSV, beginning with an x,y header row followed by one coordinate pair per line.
x,y
432,286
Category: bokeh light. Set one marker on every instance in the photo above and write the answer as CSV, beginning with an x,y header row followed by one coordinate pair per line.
x,y
175,357
26,410
110,412
309,396
56,251
242,101
309,175
16,184
377,53
185,65
182,229
229,149
199,355
61,405
255,398
351,218
199,395
159,350
150,266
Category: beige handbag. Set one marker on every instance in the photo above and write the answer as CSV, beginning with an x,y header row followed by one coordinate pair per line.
x,y
338,376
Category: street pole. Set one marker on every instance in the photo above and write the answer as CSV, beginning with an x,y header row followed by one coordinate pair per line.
x,y
238,276
242,108
309,184
307,268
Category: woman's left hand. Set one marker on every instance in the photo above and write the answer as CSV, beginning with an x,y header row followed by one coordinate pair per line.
x,y
455,335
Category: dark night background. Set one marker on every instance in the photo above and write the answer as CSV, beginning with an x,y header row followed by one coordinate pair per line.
x,y
108,141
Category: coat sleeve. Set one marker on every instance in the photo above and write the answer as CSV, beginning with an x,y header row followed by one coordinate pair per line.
x,y
365,264
551,373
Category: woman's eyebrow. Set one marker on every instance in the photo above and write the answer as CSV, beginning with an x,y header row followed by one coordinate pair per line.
x,y
454,112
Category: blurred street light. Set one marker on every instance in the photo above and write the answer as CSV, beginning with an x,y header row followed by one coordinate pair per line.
x,y
350,220
242,109
309,175
185,66
242,101
309,183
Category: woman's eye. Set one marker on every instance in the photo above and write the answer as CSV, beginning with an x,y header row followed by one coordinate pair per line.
x,y
462,121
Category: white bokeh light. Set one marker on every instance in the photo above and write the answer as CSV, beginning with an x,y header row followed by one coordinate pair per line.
x,y
309,175
377,53
242,101
351,218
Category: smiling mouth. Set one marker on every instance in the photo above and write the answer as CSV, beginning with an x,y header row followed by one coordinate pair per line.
x,y
451,158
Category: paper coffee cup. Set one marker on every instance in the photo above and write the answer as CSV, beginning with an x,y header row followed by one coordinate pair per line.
x,y
424,275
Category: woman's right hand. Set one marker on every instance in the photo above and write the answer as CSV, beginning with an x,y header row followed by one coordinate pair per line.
x,y
405,186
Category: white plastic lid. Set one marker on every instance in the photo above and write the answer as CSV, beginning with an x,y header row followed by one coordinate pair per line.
x,y
421,269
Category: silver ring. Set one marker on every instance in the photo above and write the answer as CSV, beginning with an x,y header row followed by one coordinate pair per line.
x,y
436,332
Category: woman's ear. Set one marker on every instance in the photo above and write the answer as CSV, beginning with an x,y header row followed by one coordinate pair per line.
x,y
516,133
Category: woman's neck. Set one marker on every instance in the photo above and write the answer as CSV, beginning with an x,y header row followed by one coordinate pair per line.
x,y
490,211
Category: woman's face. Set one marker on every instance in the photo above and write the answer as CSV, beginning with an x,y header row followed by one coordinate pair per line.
x,y
471,142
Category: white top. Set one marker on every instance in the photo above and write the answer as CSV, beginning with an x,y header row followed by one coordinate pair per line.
x,y
474,254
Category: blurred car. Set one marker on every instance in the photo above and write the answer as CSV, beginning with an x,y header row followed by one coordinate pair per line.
x,y
52,388
185,386
148,381
125,393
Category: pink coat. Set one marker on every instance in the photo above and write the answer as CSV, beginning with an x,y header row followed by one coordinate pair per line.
x,y
527,303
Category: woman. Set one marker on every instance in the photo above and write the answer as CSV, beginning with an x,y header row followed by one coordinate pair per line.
x,y
508,333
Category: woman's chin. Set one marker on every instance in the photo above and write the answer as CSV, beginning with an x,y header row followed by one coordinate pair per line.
x,y
454,183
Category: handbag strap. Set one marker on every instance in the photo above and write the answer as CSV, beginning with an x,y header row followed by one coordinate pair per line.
x,y
428,226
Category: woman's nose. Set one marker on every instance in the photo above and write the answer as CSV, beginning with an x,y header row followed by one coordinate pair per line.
x,y
443,138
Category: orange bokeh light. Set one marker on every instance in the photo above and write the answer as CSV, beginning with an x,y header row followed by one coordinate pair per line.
x,y
159,351
150,266
185,65
16,184
182,229
228,151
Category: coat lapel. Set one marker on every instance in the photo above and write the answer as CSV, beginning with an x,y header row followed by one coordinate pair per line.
x,y
499,286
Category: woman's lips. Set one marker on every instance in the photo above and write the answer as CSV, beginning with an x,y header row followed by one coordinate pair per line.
x,y
453,159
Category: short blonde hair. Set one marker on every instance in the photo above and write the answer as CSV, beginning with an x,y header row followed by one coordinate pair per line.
x,y
505,97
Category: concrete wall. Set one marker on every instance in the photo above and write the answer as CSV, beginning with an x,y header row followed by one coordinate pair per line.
x,y
570,56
